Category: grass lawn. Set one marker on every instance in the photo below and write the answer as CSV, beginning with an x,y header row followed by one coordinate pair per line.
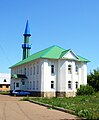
x,y
84,106
5,92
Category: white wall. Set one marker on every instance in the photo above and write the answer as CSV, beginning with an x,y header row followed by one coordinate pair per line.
x,y
60,77
5,76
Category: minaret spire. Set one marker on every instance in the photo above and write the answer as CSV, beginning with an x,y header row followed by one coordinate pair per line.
x,y
26,46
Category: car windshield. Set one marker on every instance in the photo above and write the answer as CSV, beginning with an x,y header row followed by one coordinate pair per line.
x,y
17,90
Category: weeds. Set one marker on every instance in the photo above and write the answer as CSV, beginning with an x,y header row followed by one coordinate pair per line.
x,y
84,106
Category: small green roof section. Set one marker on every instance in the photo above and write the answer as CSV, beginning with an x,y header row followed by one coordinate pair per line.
x,y
53,52
18,76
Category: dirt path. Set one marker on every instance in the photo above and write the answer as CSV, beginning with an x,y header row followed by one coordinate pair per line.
x,y
13,109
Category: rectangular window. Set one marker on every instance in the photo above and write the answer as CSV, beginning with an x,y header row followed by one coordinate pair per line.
x,y
21,71
23,82
52,69
33,85
17,84
0,86
25,71
37,85
37,69
7,86
27,85
69,85
28,71
52,84
30,85
33,70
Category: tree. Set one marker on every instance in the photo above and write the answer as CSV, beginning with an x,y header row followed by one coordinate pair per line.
x,y
93,79
85,90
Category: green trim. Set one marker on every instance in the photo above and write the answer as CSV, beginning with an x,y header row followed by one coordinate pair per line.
x,y
53,52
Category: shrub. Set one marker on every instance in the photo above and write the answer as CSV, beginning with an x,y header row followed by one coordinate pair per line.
x,y
85,90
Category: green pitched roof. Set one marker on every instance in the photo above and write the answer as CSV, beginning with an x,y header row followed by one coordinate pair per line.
x,y
53,52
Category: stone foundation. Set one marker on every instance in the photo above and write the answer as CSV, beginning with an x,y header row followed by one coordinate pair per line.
x,y
70,94
60,94
43,94
52,94
65,94
49,94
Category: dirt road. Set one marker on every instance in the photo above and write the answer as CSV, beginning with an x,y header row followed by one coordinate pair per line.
x,y
13,109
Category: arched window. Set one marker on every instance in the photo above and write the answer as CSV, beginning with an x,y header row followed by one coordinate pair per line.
x,y
69,68
25,71
52,84
5,80
28,71
76,84
76,69
33,85
31,71
37,85
69,85
34,70
37,69
52,69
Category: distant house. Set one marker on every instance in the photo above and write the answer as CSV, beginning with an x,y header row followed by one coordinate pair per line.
x,y
52,72
4,82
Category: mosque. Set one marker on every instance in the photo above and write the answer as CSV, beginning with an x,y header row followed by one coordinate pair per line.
x,y
51,72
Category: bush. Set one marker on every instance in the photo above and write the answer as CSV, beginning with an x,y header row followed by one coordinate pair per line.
x,y
85,90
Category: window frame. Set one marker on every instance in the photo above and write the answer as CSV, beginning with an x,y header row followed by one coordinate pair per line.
x,y
17,84
37,69
33,85
25,71
37,85
5,80
7,86
30,70
52,84
52,69
1,86
76,69
76,84
69,84
70,68
33,69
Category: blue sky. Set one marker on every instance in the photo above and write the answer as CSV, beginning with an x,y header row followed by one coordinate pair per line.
x,y
70,24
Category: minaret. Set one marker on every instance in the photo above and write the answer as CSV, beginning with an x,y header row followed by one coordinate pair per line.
x,y
26,46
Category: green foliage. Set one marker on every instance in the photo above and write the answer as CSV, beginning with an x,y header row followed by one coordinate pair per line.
x,y
93,79
83,113
86,106
85,90
25,99
5,92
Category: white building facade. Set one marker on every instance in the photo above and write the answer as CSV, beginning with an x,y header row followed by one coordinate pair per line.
x,y
52,72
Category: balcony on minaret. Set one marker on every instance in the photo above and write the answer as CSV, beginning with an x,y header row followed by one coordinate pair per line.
x,y
26,46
